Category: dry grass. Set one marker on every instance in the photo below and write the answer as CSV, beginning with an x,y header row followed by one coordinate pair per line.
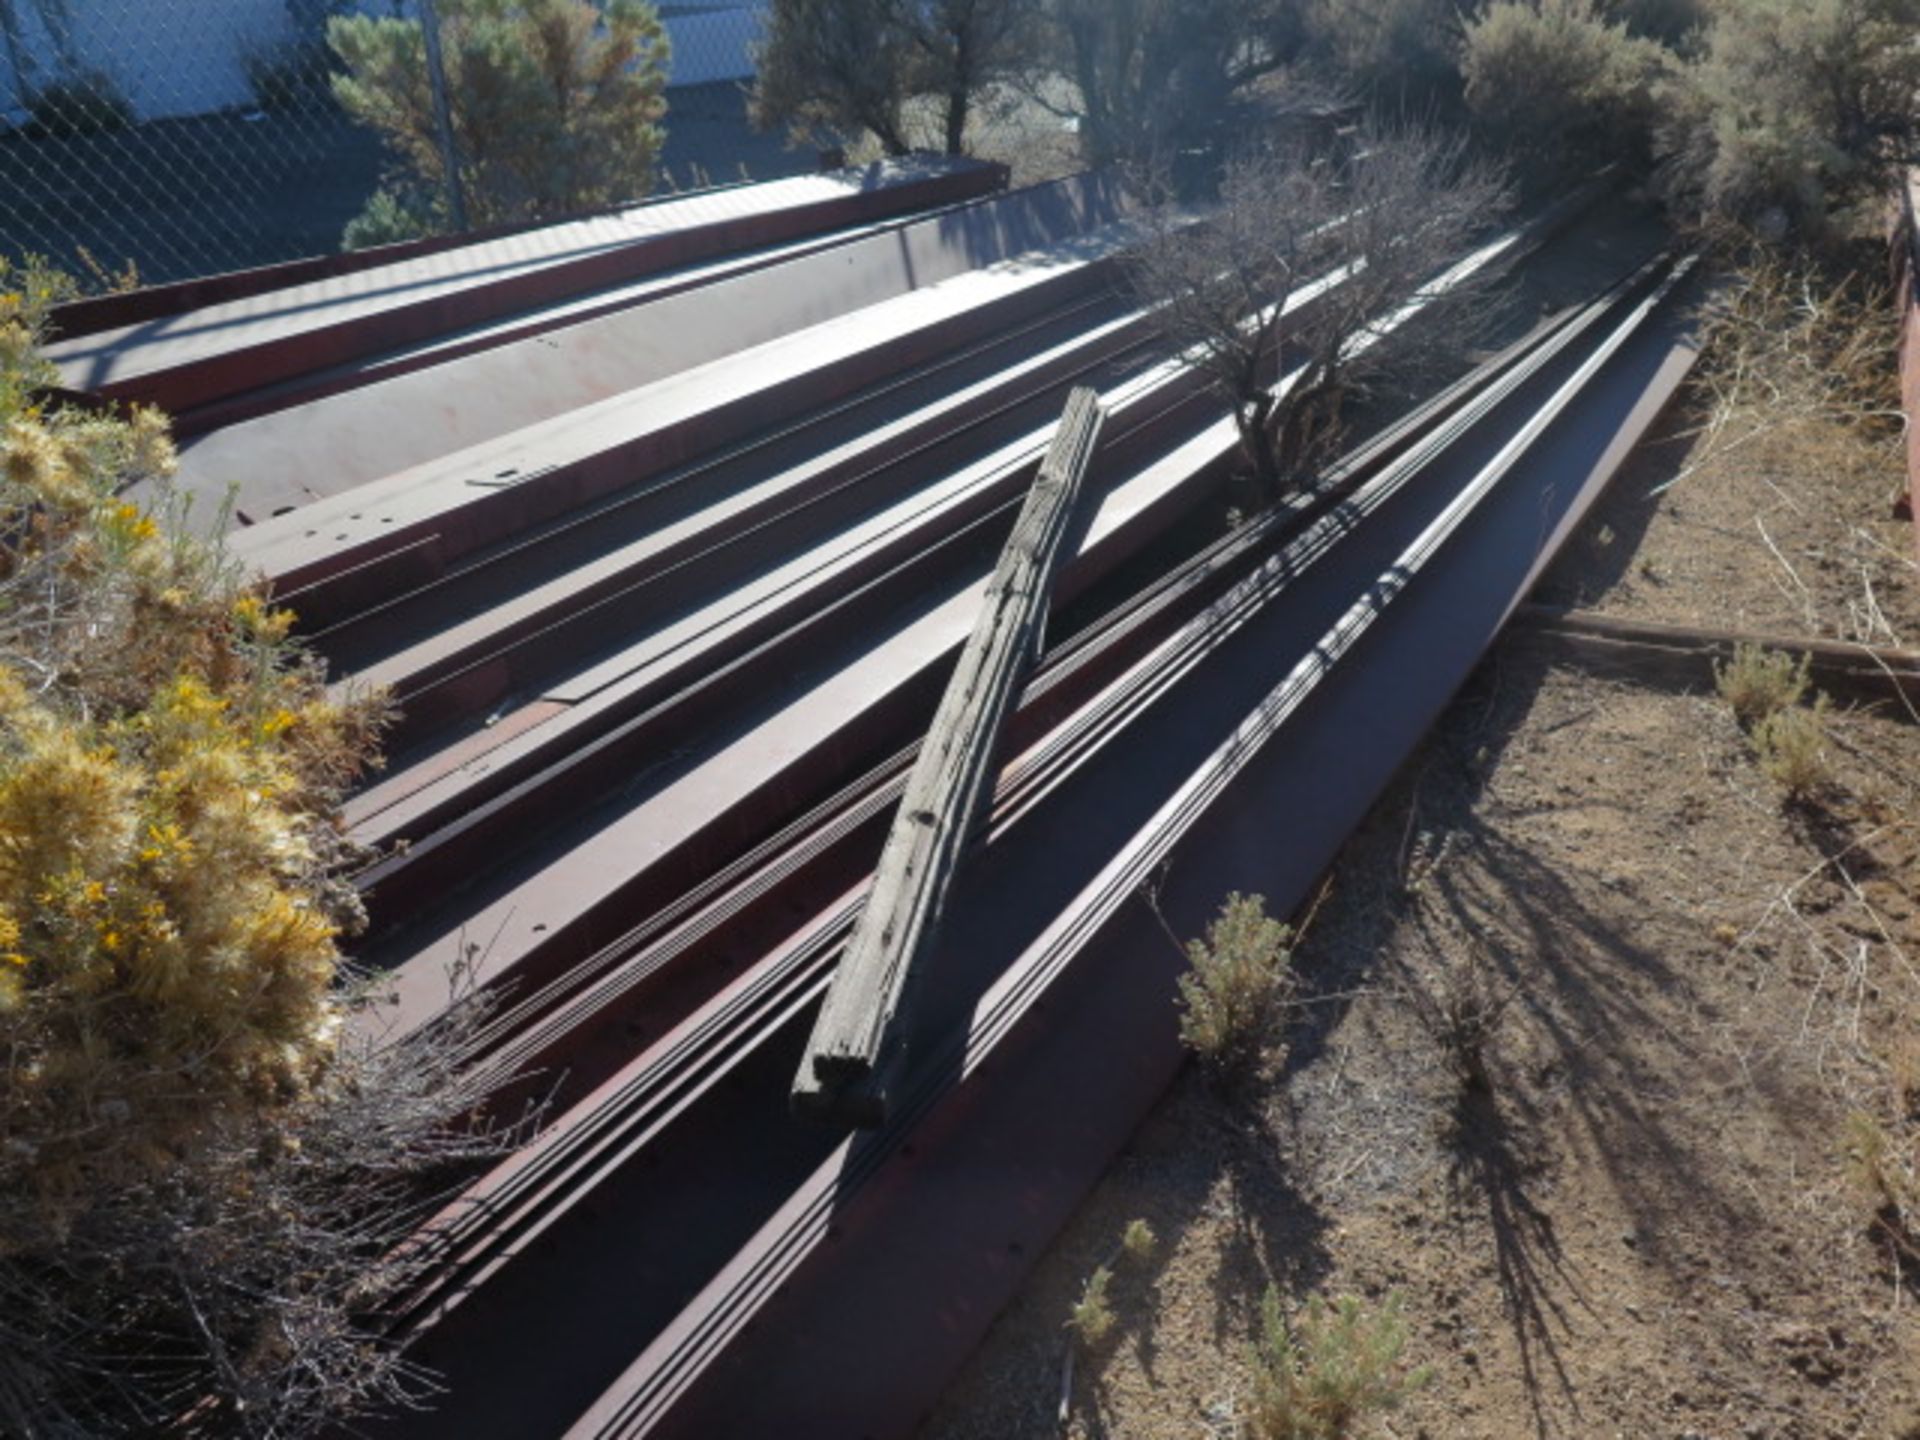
x,y
1888,1170
1795,357
1769,505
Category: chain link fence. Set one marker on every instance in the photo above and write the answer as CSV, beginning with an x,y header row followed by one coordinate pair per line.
x,y
171,139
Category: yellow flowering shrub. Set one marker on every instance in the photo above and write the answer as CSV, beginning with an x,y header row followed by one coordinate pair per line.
x,y
169,767
203,1171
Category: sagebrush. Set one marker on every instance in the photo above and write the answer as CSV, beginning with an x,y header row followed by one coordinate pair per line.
x,y
1561,84
1757,682
1333,1370
1093,1318
1794,116
201,1171
1792,748
1234,996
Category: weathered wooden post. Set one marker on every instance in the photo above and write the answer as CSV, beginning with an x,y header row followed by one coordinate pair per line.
x,y
858,1038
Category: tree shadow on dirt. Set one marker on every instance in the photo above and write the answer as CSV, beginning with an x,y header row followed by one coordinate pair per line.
x,y
1599,1004
1497,1160
1601,556
1598,996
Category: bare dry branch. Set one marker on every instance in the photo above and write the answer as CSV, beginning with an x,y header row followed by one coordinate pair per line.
x,y
1298,269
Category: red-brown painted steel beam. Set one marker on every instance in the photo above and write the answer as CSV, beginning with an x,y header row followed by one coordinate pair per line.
x,y
186,361
330,431
385,536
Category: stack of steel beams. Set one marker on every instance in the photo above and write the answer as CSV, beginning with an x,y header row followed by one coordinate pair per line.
x,y
664,531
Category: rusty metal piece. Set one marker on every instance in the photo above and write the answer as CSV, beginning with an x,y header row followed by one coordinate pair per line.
x,y
1905,256
1688,654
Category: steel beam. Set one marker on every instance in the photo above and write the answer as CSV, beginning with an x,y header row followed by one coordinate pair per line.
x,y
189,360
386,413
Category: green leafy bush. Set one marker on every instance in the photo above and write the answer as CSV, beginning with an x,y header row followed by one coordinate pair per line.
x,y
555,107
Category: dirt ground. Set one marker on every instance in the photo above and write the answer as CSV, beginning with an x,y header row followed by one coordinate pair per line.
x,y
1646,1223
